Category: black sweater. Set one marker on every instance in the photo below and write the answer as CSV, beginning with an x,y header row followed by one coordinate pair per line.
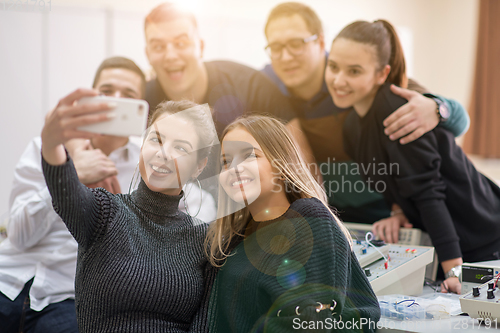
x,y
233,90
141,264
298,259
432,180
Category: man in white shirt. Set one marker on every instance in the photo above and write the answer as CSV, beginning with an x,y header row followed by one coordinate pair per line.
x,y
38,258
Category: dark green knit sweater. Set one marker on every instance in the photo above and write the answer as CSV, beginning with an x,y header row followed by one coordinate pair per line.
x,y
296,260
141,264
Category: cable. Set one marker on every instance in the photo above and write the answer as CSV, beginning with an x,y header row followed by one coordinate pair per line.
x,y
407,300
489,277
432,284
353,234
498,277
369,243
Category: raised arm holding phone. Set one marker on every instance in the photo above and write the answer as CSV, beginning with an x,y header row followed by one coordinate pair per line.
x,y
128,244
38,258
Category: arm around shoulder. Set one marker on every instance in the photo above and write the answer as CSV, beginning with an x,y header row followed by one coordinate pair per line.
x,y
459,121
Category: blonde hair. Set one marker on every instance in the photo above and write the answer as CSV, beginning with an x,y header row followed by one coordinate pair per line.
x,y
278,147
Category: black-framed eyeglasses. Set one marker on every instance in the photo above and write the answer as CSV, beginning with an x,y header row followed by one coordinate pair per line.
x,y
295,46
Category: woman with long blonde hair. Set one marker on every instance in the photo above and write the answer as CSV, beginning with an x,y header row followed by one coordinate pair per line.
x,y
284,255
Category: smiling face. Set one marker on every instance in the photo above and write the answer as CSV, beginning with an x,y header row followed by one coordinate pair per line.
x,y
296,71
119,82
353,75
247,176
169,155
174,49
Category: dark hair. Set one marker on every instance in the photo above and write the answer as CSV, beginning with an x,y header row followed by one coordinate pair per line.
x,y
168,11
383,36
199,115
288,9
121,62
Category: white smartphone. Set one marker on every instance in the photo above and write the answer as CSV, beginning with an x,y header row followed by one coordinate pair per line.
x,y
131,116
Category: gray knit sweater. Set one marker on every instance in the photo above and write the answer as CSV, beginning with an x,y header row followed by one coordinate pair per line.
x,y
141,264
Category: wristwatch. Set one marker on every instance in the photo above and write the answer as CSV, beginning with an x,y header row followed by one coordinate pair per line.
x,y
442,109
454,272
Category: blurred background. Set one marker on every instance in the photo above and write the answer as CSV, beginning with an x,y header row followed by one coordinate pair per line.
x,y
48,53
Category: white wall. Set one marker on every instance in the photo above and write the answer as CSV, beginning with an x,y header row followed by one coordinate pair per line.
x,y
21,90
45,56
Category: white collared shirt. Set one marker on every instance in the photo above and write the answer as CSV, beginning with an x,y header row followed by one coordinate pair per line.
x,y
38,243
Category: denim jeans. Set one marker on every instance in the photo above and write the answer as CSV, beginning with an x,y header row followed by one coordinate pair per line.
x,y
17,316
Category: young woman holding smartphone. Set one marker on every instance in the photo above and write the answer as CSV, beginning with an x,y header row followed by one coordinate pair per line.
x,y
141,265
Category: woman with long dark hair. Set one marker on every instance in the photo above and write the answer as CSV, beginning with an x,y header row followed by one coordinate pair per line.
x,y
431,179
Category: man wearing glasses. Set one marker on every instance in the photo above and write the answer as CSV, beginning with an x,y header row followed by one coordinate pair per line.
x,y
296,48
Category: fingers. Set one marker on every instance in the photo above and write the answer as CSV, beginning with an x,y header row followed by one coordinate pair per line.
x,y
78,121
387,229
389,122
454,285
399,118
382,231
62,124
115,185
49,114
407,128
107,185
110,184
405,93
413,136
451,285
93,166
83,113
93,185
376,231
77,145
75,134
84,145
106,170
395,235
388,232
70,99
84,109
407,224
